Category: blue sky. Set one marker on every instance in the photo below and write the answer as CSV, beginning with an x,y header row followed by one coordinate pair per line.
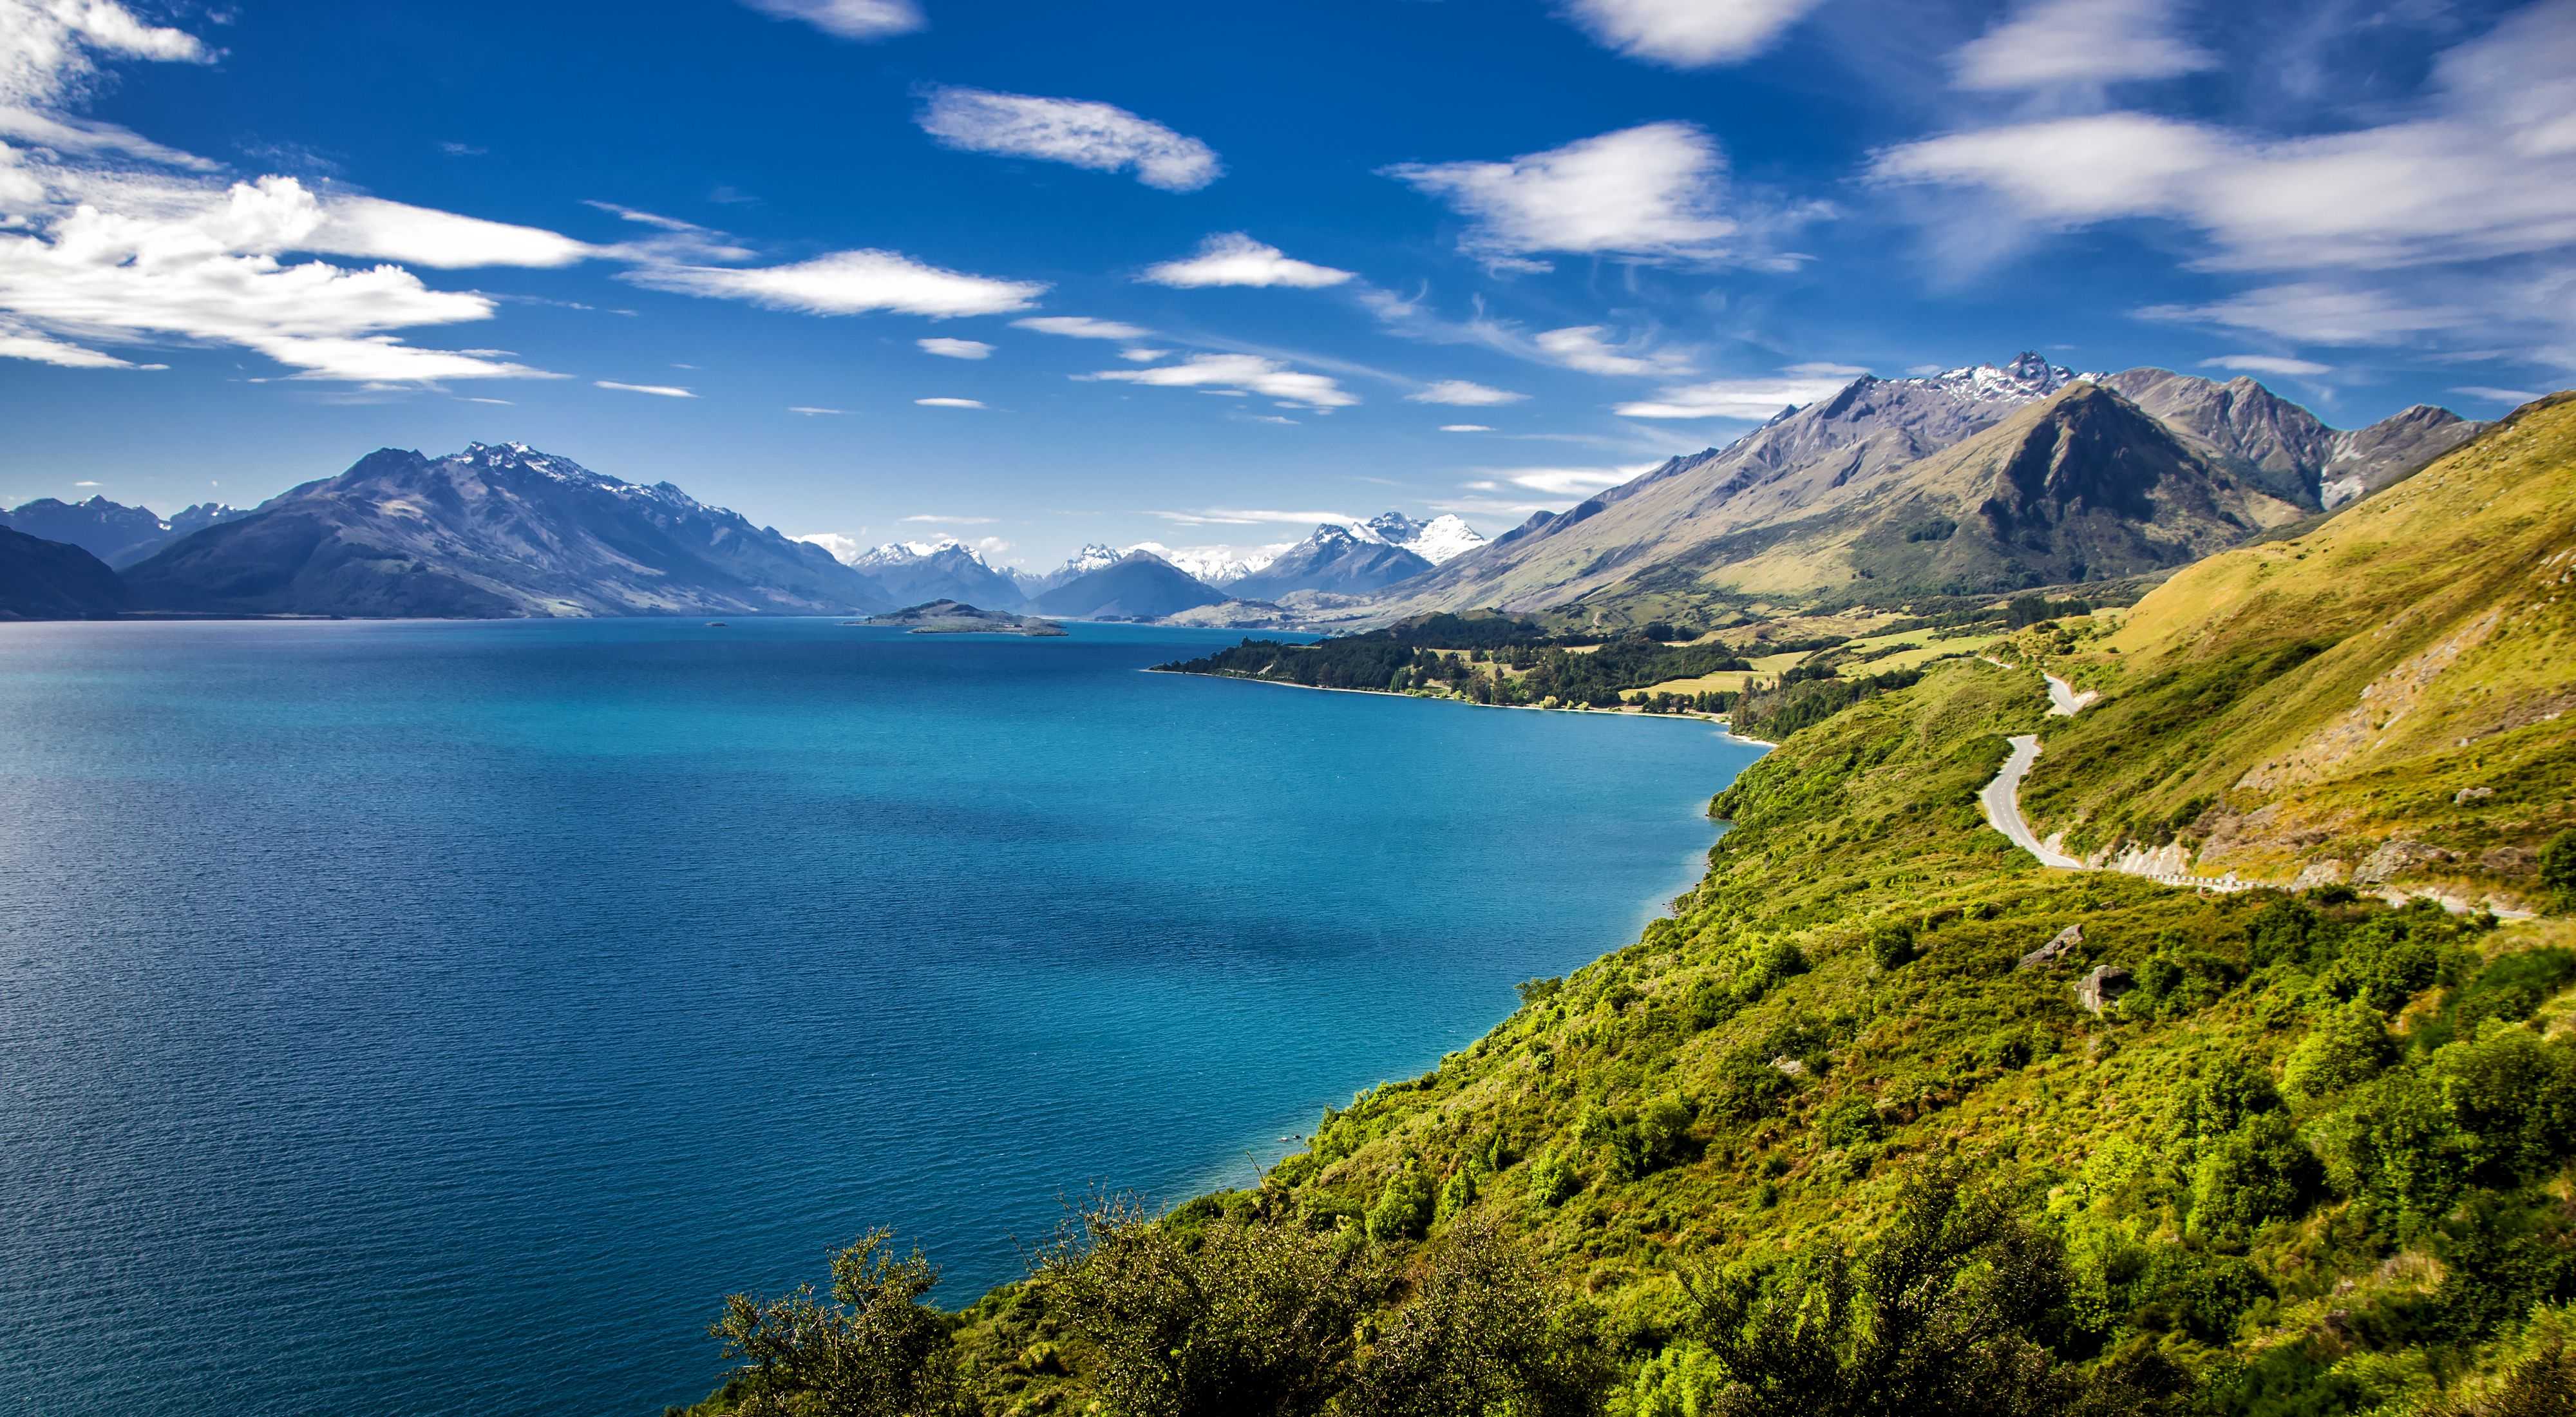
x,y
1274,254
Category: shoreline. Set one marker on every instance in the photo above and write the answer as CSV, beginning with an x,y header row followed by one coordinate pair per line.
x,y
1725,729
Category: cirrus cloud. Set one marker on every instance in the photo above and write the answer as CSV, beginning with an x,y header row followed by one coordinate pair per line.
x,y
2059,42
955,348
1751,400
1100,137
1238,374
1081,327
1464,393
848,19
848,283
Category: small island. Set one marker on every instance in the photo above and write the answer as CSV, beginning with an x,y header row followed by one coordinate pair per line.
x,y
955,617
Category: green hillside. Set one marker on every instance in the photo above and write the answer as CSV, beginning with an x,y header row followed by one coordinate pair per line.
x,y
2386,695
1844,1134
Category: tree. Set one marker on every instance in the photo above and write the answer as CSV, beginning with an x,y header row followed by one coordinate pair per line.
x,y
1243,1317
876,1351
1483,1335
1956,1309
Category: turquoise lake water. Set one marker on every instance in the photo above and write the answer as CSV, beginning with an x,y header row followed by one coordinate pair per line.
x,y
441,1018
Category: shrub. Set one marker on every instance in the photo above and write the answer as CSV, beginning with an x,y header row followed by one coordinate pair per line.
x,y
1552,1181
2558,870
2347,1046
2258,1173
1891,946
875,1349
1403,1209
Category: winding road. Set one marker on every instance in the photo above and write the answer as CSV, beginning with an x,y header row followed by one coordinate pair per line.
x,y
2002,801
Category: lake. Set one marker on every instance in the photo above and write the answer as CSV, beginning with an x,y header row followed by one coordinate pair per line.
x,y
436,1018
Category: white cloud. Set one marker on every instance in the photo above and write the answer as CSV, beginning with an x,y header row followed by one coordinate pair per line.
x,y
659,391
2267,364
811,412
849,283
1749,399
1232,516
949,403
1098,136
844,549
1144,356
1465,428
1583,347
1081,327
187,264
1233,258
1238,373
89,484
2315,312
18,342
49,49
676,242
1561,481
1688,34
1269,418
2055,42
1649,193
2485,167
849,19
2481,391
396,231
955,348
1464,394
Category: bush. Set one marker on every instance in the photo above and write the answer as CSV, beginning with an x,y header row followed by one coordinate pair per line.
x,y
876,1349
2558,870
1403,1209
1891,946
1551,1181
2347,1046
2258,1173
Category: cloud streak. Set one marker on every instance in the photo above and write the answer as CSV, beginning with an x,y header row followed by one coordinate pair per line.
x,y
1099,137
1234,258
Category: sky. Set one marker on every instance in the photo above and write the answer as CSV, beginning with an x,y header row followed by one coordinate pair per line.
x,y
1034,274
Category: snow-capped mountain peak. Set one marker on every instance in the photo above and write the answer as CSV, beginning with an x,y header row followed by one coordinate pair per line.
x,y
2026,376
906,553
1442,538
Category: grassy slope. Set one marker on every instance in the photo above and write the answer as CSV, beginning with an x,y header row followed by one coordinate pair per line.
x,y
2307,700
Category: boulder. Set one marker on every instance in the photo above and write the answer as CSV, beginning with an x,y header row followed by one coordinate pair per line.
x,y
2101,988
2054,950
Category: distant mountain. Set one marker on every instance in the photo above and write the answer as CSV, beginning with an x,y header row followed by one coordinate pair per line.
x,y
111,531
1832,501
946,569
2285,449
1137,586
54,580
1799,462
1334,558
494,531
1443,538
1214,565
1092,557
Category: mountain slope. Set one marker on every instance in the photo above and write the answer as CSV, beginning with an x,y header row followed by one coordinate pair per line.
x,y
2387,696
1335,559
2284,449
111,531
1137,586
1826,497
53,580
494,531
913,572
1794,466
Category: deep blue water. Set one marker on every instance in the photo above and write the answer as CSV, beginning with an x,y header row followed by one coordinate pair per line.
x,y
438,1018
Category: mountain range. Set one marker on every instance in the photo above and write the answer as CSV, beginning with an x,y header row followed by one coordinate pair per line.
x,y
111,531
498,530
1975,480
